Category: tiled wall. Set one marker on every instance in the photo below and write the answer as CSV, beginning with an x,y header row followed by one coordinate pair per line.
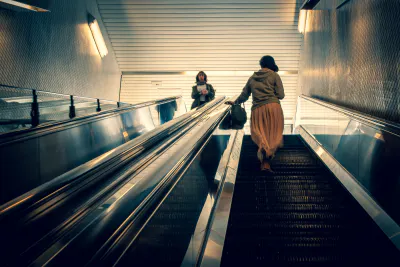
x,y
351,57
55,51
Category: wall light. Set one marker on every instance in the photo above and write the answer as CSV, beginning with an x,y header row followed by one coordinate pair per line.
x,y
302,20
97,36
32,5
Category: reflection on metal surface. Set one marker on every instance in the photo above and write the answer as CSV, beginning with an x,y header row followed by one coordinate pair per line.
x,y
209,163
143,186
194,250
15,204
366,147
218,224
381,218
379,136
302,20
380,124
353,44
65,147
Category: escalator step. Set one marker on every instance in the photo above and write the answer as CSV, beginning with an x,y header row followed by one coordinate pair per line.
x,y
290,207
300,215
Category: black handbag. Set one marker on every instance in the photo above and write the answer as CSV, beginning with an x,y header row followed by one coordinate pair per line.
x,y
238,116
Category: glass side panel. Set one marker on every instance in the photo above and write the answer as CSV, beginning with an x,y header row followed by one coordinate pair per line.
x,y
15,108
167,111
369,154
53,107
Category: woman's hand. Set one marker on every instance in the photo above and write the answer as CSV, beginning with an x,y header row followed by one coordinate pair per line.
x,y
229,103
204,92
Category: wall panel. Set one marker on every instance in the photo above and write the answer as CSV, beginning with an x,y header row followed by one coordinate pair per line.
x,y
55,51
352,58
224,38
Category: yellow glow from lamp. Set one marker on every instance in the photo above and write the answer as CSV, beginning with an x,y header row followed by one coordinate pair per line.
x,y
302,20
97,36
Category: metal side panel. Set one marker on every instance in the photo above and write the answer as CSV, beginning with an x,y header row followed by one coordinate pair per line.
x,y
219,223
127,201
37,160
381,218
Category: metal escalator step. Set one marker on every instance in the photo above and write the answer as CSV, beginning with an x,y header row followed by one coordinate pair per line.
x,y
297,199
279,172
289,207
284,216
281,176
289,224
284,241
270,192
297,216
280,249
288,184
298,185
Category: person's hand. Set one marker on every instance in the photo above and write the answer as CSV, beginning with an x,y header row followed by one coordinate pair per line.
x,y
204,92
229,103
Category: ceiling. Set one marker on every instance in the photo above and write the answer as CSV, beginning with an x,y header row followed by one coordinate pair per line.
x,y
171,40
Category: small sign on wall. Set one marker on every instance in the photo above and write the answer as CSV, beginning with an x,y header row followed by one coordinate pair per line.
x,y
156,83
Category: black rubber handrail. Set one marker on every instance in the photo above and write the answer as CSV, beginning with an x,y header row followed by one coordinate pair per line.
x,y
47,128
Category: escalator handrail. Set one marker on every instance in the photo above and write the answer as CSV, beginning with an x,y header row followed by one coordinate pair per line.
x,y
383,125
50,127
47,189
154,196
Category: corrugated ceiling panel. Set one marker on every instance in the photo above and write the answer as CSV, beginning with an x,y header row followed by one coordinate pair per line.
x,y
220,37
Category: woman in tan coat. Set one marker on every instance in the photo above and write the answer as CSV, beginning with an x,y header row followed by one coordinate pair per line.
x,y
267,120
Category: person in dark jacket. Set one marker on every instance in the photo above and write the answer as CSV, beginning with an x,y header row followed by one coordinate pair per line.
x,y
202,92
267,119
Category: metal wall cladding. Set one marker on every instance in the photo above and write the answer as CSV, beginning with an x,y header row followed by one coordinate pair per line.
x,y
224,38
55,51
351,57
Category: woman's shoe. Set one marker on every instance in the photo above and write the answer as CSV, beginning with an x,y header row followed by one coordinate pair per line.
x,y
265,166
267,170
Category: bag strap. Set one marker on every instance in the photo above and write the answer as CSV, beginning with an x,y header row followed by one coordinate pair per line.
x,y
239,105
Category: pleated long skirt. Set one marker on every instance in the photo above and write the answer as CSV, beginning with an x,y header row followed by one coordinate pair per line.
x,y
266,127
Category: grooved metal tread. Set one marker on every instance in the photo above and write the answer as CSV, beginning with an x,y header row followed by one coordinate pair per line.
x,y
298,216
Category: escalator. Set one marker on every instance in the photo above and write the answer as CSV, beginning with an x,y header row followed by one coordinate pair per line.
x,y
102,192
300,215
156,201
51,149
